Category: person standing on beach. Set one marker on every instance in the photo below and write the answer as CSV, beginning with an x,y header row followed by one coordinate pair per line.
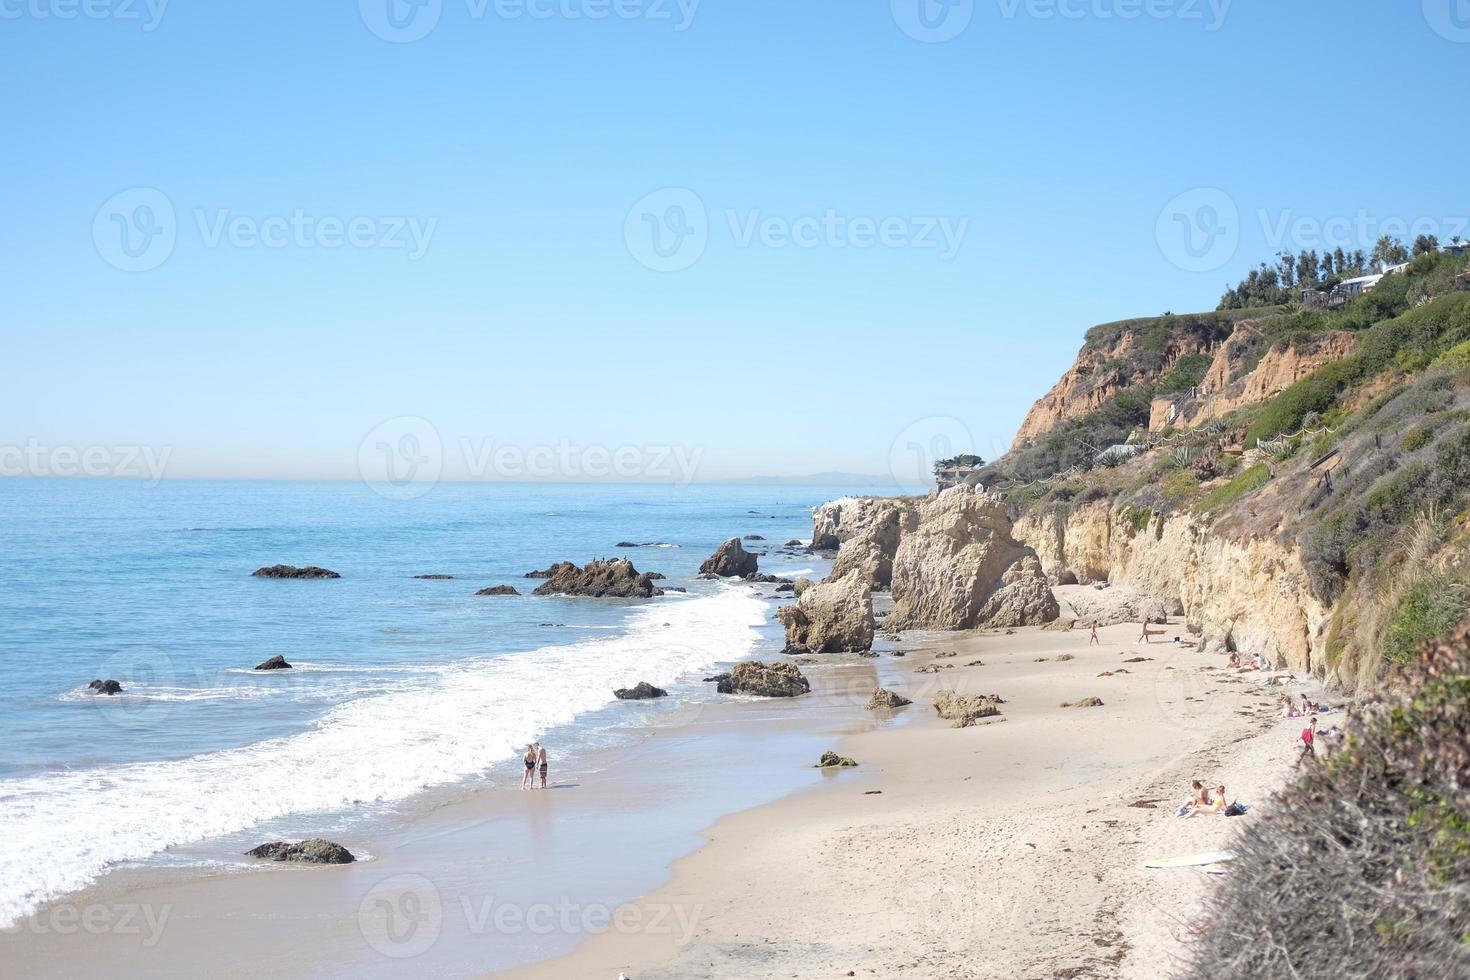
x,y
530,760
1309,739
541,760
1094,641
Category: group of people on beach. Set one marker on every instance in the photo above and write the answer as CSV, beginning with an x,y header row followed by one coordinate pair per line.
x,y
534,758
1206,804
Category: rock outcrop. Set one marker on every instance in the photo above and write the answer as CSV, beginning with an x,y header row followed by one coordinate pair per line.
x,y
277,662
314,851
108,687
291,571
499,590
884,698
872,542
962,710
434,578
834,617
959,568
831,760
730,560
767,680
642,691
611,578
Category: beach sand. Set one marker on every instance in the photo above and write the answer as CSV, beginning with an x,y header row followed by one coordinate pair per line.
x,y
1013,849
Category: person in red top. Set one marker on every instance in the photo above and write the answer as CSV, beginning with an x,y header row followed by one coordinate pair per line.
x,y
1309,738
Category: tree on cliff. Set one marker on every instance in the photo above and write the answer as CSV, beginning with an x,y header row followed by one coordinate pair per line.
x,y
963,459
1389,251
1361,868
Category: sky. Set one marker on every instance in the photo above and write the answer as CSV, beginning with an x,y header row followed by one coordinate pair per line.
x,y
658,239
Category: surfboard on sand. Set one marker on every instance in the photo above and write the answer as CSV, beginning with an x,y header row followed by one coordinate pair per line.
x,y
1192,860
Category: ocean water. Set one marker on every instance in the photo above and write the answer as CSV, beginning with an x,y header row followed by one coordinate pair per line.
x,y
400,687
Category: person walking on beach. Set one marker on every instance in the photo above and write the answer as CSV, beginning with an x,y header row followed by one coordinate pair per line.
x,y
530,760
1309,739
1094,641
541,761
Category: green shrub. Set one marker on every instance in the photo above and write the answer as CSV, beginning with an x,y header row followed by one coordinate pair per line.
x,y
1179,486
1433,607
1418,437
1245,483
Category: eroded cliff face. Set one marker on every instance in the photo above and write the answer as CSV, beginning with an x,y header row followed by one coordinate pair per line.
x,y
1249,592
1276,370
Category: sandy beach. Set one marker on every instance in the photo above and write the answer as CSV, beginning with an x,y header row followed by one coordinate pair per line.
x,y
1013,849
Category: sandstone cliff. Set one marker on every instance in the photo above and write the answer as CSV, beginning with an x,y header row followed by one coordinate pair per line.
x,y
1243,591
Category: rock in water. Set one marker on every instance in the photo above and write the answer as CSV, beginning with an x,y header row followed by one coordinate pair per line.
x,y
767,680
274,663
499,590
730,560
434,578
801,585
105,687
959,568
884,698
611,578
754,537
834,617
291,571
642,692
831,760
962,711
314,851
550,572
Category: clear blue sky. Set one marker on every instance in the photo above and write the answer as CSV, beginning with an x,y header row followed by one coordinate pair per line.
x,y
529,319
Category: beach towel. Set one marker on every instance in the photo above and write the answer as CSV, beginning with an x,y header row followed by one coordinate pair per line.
x,y
1237,809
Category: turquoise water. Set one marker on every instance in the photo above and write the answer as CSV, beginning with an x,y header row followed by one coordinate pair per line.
x,y
401,685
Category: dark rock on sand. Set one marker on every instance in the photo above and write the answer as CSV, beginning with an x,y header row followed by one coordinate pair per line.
x,y
105,687
767,680
611,578
884,698
274,663
1084,703
642,692
291,571
831,760
499,590
730,560
314,851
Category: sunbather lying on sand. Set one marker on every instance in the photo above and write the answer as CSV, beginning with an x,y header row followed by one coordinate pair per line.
x,y
1215,808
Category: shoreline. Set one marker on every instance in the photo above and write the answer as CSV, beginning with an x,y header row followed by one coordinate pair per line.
x,y
1012,849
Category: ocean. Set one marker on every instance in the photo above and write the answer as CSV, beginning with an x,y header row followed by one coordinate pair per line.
x,y
401,687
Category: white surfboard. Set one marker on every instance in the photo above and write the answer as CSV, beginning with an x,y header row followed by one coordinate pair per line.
x,y
1193,860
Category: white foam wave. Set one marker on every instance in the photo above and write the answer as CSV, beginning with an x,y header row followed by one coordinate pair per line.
x,y
58,831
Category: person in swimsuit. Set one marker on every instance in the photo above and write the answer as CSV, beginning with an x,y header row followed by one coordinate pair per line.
x,y
1211,809
530,760
541,759
1094,641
